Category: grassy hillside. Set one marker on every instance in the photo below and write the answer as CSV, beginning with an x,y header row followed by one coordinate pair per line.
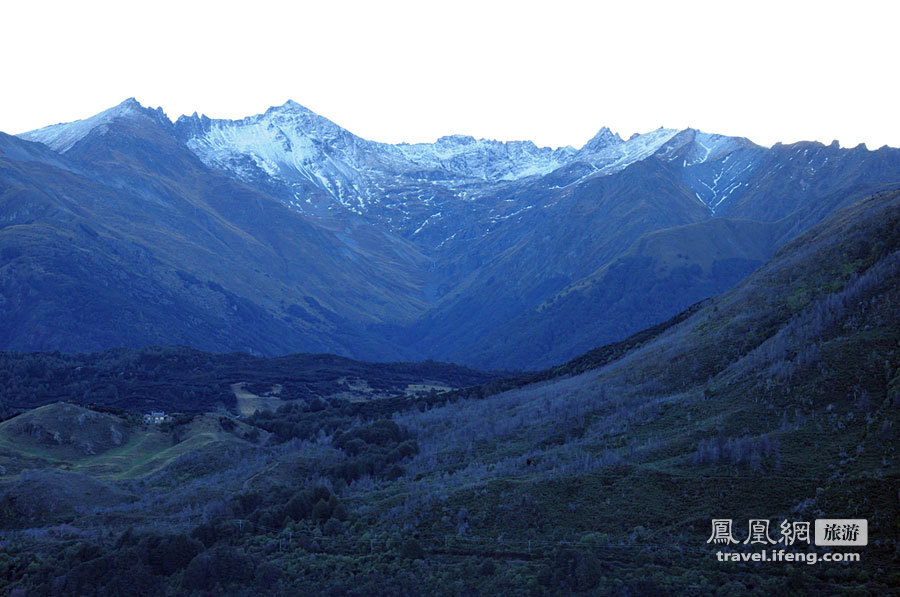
x,y
776,400
110,447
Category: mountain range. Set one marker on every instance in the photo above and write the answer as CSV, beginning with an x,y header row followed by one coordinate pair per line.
x,y
283,232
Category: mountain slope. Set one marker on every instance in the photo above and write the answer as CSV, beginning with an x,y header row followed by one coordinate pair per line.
x,y
662,273
541,251
285,232
135,242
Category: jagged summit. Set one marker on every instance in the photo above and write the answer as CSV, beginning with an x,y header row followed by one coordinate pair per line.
x,y
128,105
603,139
63,136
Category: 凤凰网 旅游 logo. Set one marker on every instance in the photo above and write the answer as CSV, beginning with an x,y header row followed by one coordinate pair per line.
x,y
842,531
757,531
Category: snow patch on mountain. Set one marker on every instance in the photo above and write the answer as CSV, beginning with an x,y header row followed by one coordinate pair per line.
x,y
721,180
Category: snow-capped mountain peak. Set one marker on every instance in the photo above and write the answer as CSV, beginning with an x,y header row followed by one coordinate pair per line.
x,y
297,149
62,137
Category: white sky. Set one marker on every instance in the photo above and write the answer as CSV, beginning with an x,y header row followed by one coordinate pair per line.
x,y
553,72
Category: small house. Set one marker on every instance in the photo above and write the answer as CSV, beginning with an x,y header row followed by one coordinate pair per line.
x,y
156,417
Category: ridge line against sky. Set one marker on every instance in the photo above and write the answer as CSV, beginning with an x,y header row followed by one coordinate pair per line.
x,y
260,113
413,72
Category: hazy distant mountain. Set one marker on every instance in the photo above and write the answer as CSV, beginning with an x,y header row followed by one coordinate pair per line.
x,y
283,231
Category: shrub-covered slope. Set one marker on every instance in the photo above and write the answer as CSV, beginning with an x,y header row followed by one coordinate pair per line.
x,y
179,379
